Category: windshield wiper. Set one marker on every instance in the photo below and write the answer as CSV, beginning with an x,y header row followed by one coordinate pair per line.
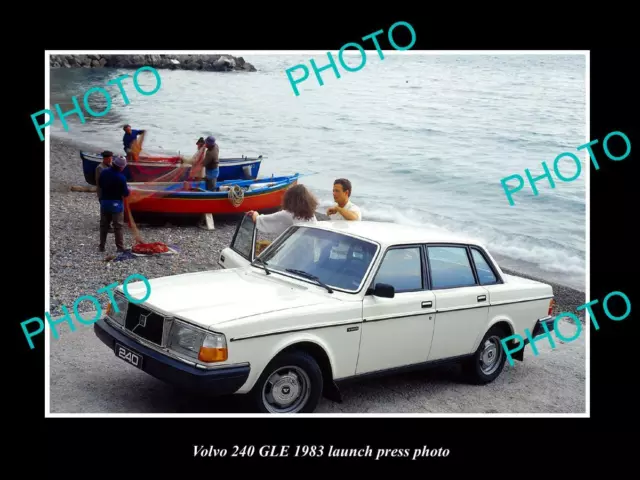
x,y
257,259
310,277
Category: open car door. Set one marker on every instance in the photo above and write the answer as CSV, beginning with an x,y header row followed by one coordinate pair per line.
x,y
242,250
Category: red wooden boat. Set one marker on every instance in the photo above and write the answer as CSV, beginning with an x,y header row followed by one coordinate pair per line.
x,y
231,197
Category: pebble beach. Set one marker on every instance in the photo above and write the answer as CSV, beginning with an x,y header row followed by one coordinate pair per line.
x,y
77,267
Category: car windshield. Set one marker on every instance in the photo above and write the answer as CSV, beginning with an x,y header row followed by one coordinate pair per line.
x,y
337,260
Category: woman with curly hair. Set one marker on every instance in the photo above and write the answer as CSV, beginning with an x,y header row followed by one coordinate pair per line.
x,y
298,205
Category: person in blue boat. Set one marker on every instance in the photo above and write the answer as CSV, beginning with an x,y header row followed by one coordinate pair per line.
x,y
129,136
113,185
211,163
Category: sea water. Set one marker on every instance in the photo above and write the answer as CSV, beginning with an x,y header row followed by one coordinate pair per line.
x,y
425,139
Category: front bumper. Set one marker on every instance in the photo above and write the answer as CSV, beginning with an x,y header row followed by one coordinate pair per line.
x,y
216,381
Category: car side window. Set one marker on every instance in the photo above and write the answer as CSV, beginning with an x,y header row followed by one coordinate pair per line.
x,y
401,268
485,274
450,267
243,239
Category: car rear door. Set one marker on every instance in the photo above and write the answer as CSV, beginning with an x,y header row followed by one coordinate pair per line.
x,y
462,304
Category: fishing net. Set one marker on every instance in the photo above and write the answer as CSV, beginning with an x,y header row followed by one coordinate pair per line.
x,y
261,245
150,248
170,182
173,175
148,164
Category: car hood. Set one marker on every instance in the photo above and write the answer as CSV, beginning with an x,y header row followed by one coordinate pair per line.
x,y
218,296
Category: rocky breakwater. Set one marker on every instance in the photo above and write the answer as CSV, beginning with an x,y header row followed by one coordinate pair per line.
x,y
209,63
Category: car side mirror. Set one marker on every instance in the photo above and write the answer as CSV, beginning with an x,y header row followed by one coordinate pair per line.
x,y
383,290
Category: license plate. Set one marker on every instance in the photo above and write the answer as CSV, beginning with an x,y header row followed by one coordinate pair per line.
x,y
128,356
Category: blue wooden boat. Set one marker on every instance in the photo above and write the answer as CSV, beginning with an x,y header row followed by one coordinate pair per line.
x,y
147,169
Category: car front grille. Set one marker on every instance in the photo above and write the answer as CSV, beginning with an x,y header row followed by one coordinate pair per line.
x,y
145,324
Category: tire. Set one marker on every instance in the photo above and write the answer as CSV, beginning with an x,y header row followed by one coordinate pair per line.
x,y
298,388
488,361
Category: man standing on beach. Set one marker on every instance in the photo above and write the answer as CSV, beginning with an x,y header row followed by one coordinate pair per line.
x,y
113,185
345,209
211,163
107,158
128,138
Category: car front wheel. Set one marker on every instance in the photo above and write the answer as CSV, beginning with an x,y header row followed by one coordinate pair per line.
x,y
291,383
488,361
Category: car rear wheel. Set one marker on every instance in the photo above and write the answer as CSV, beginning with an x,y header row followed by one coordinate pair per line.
x,y
488,361
291,383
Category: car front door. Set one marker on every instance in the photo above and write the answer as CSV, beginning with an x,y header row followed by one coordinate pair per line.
x,y
462,303
398,331
241,252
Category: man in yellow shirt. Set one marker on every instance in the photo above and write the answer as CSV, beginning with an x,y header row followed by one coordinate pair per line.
x,y
345,208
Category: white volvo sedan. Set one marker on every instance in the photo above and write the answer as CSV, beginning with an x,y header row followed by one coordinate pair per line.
x,y
322,304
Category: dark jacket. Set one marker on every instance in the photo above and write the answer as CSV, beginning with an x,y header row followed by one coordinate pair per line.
x,y
113,188
99,170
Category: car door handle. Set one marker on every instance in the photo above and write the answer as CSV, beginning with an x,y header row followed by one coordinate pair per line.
x,y
427,304
482,298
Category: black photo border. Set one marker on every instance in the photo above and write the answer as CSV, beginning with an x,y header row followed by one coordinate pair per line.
x,y
160,444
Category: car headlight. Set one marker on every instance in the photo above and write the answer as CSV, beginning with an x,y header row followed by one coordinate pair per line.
x,y
120,314
197,344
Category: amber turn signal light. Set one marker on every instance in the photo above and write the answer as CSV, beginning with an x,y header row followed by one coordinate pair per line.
x,y
209,354
552,302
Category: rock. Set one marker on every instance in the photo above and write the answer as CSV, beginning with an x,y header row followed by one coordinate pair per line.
x,y
210,63
83,60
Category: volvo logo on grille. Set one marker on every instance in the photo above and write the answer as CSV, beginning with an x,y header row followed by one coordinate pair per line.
x,y
142,320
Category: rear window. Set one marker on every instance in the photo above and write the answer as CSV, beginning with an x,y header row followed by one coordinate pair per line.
x,y
450,267
485,274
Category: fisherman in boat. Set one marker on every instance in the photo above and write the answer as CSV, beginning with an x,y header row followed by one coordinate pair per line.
x,y
129,136
197,172
113,185
345,208
211,163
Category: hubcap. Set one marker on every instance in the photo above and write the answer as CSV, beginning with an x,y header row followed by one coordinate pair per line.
x,y
491,355
286,390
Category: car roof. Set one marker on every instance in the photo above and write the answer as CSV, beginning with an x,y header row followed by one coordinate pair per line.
x,y
389,233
